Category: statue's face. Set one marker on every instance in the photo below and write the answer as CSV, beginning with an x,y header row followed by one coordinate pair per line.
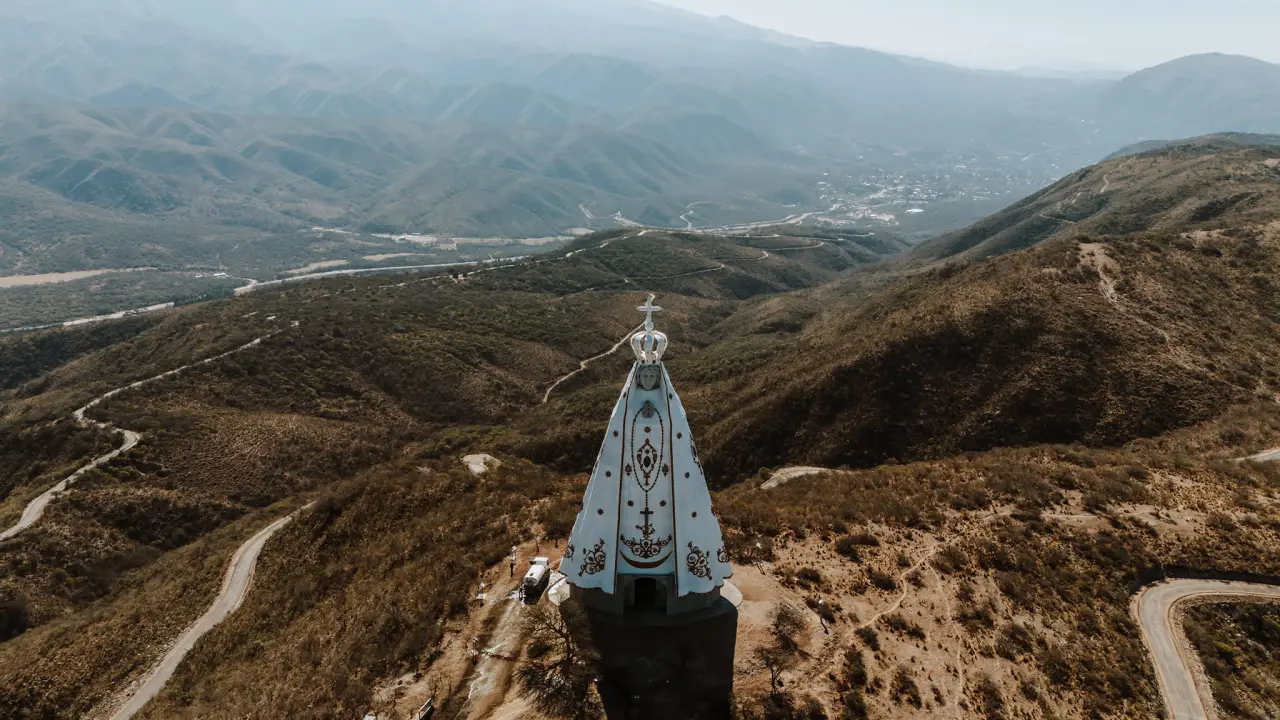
x,y
648,377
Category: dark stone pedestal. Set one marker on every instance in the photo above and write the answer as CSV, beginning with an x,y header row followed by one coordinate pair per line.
x,y
663,667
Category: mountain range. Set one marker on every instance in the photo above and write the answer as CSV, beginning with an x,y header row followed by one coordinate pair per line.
x,y
521,118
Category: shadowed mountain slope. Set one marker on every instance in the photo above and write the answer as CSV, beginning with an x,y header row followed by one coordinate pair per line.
x,y
1178,186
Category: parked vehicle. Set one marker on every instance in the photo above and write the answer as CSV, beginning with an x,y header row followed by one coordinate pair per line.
x,y
535,580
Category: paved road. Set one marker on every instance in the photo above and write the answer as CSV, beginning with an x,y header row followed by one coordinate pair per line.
x,y
1154,606
235,586
90,320
35,509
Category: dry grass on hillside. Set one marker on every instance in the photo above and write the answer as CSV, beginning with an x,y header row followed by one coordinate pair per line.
x,y
197,470
1239,646
69,666
1009,570
1021,349
358,590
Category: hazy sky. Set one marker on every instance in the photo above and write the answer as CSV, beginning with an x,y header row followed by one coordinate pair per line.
x,y
1072,34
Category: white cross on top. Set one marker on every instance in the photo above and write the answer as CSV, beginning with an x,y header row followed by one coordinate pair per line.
x,y
650,309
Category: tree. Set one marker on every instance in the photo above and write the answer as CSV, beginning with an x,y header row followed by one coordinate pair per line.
x,y
560,664
775,660
787,623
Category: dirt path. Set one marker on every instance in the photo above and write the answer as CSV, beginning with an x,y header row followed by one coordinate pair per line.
x,y
582,366
1106,179
829,657
487,687
1182,683
35,509
1271,455
906,585
953,698
235,586
786,475
1095,255
476,657
1064,204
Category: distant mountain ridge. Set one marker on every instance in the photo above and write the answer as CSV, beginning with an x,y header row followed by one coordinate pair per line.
x,y
512,116
1197,95
198,170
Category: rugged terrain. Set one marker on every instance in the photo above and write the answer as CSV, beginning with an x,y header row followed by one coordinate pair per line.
x,y
1207,182
1070,411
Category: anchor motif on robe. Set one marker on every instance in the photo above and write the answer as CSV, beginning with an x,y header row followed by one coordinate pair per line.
x,y
647,547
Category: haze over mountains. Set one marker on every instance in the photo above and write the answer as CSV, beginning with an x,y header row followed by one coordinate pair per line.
x,y
525,118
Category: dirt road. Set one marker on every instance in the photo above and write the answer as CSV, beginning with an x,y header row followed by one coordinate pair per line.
x,y
1271,455
786,475
1175,663
582,366
235,586
35,509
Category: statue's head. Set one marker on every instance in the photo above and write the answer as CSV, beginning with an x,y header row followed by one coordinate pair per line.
x,y
648,377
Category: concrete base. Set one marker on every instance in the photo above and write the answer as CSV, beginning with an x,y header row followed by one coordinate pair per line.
x,y
670,667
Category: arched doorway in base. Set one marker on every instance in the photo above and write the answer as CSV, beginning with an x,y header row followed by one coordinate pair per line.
x,y
647,594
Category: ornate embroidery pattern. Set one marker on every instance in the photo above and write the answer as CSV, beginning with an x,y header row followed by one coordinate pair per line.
x,y
697,563
646,548
569,550
693,447
647,458
722,555
593,561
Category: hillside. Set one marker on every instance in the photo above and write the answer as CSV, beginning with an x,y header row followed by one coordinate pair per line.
x,y
491,132
1209,183
1063,410
1219,140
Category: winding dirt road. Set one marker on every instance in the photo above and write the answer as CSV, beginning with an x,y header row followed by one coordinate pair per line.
x,y
1186,695
582,366
35,509
235,586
